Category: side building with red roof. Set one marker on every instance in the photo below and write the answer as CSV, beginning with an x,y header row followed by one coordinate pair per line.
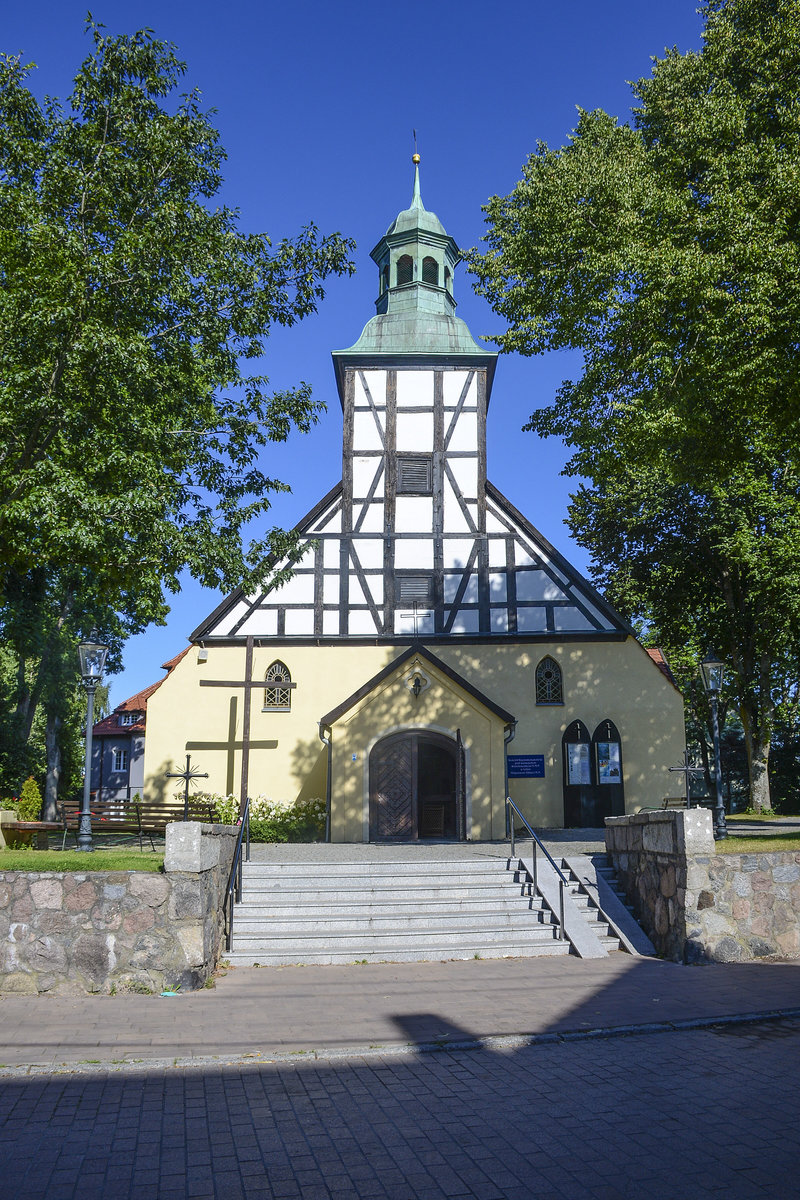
x,y
118,744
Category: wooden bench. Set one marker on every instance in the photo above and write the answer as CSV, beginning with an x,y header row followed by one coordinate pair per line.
x,y
144,818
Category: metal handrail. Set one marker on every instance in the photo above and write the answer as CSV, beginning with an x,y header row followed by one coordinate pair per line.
x,y
234,888
536,842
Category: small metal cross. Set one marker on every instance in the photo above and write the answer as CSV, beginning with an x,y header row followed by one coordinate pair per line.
x,y
415,603
188,775
687,770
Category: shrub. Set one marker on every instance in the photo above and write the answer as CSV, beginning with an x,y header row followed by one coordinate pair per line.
x,y
29,805
275,820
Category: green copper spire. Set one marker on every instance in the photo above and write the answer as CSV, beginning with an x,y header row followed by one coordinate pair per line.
x,y
416,259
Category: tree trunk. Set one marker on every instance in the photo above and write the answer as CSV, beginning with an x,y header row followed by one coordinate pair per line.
x,y
758,760
52,743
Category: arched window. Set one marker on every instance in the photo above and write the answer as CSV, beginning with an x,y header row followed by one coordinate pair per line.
x,y
384,280
448,278
430,271
278,692
549,683
405,269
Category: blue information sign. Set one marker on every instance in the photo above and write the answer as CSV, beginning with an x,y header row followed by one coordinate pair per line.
x,y
526,766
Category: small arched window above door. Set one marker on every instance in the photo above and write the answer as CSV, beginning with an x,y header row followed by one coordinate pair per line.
x,y
549,682
405,269
278,690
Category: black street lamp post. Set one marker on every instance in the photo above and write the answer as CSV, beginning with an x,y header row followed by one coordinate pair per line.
x,y
712,670
93,658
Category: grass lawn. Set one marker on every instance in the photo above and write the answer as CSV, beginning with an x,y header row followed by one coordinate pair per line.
x,y
72,860
762,816
763,843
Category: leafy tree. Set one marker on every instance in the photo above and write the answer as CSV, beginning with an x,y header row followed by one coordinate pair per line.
x,y
133,316
667,252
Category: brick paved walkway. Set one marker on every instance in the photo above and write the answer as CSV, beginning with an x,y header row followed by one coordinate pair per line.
x,y
670,1116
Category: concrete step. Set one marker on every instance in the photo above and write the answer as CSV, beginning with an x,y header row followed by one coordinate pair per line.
x,y
444,952
458,868
340,924
471,909
500,893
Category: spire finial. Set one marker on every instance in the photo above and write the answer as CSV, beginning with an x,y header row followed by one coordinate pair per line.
x,y
416,199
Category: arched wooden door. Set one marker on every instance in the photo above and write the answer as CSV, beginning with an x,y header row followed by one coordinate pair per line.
x,y
416,788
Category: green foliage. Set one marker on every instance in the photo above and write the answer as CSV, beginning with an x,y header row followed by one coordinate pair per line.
x,y
276,821
668,254
29,805
137,429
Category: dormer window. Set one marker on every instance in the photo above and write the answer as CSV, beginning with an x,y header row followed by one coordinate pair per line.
x,y
430,271
405,269
128,718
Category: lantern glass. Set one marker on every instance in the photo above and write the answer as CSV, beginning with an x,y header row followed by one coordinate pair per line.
x,y
93,658
713,671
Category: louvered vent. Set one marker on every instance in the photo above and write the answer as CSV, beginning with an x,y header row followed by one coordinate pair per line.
x,y
415,475
430,271
415,587
405,269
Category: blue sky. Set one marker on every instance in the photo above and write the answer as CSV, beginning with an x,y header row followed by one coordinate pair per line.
x,y
315,105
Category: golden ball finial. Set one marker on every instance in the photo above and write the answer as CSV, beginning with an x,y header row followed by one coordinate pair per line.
x,y
415,158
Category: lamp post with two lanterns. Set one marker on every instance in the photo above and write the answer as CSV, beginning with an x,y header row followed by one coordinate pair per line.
x,y
92,655
713,669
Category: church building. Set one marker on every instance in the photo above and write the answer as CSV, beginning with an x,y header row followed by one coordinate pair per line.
x,y
431,652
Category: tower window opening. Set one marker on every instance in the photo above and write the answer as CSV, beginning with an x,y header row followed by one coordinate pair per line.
x,y
405,269
384,279
448,279
430,271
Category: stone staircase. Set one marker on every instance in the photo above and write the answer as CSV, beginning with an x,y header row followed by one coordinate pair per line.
x,y
412,909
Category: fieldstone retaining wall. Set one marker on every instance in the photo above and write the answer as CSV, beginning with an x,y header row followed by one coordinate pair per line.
x,y
700,906
101,931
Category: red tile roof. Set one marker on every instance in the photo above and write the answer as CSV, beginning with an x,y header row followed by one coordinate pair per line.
x,y
110,725
658,658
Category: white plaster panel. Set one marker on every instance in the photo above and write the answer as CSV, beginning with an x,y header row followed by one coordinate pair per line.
x,y
454,519
465,473
298,590
531,620
413,554
369,551
522,558
466,621
493,523
453,383
536,585
414,432
497,585
413,514
373,520
570,618
330,589
375,585
355,592
330,553
328,525
227,622
404,621
364,471
497,552
330,623
376,382
451,584
264,621
360,622
499,618
299,622
465,433
456,551
414,388
365,432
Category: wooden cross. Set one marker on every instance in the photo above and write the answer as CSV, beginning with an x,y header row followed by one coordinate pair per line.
x,y
231,745
687,770
188,775
248,683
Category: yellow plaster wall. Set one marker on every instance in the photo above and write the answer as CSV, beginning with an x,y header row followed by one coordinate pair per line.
x,y
601,679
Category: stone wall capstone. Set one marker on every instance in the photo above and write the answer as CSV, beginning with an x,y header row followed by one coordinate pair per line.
x,y
101,931
700,906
